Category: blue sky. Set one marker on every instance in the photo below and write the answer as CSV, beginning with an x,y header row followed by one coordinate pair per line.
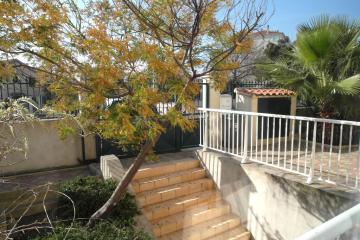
x,y
290,13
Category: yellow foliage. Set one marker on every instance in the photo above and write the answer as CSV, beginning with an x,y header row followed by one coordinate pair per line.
x,y
103,50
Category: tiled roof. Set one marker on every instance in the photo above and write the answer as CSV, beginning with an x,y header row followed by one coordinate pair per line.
x,y
265,91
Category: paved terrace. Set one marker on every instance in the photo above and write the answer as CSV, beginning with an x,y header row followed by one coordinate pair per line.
x,y
333,158
332,164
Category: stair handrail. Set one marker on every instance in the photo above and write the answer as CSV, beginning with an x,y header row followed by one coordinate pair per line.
x,y
350,219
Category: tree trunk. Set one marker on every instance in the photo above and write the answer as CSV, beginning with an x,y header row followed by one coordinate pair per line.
x,y
121,188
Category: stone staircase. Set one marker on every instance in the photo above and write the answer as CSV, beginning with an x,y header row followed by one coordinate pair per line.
x,y
180,202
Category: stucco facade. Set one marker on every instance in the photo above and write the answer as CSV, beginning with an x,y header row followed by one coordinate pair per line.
x,y
46,150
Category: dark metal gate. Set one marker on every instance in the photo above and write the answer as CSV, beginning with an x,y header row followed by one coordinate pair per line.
x,y
173,140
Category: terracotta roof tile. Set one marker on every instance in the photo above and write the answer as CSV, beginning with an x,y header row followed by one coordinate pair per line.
x,y
265,91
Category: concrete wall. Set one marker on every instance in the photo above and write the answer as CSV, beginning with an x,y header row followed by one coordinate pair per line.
x,y
214,98
272,207
46,150
111,167
244,103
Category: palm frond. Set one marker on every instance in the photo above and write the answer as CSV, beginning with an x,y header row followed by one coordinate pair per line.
x,y
325,63
313,47
314,23
281,73
345,24
348,86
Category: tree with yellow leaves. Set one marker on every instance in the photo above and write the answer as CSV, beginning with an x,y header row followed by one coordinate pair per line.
x,y
144,52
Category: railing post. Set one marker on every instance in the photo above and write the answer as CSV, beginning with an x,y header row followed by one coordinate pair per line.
x,y
246,140
312,160
206,131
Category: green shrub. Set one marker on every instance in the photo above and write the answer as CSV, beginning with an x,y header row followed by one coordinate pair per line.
x,y
89,194
103,230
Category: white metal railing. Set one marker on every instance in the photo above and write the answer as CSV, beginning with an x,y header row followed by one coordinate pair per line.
x,y
347,222
323,149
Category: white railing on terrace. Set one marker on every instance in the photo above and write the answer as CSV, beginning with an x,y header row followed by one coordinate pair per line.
x,y
320,149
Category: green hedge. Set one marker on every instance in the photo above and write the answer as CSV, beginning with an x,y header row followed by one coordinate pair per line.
x,y
89,194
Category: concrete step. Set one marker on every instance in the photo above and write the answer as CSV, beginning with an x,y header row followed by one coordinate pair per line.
x,y
166,168
180,204
206,229
239,233
151,183
190,218
173,191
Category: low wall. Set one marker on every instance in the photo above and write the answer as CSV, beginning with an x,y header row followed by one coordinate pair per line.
x,y
46,149
271,206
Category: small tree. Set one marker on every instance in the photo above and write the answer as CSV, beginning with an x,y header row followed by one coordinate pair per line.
x,y
13,140
141,52
323,66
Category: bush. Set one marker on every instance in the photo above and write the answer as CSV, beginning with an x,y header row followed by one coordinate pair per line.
x,y
89,194
103,230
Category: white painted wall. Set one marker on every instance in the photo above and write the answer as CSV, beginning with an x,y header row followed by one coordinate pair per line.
x,y
243,102
46,149
271,206
226,101
214,98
